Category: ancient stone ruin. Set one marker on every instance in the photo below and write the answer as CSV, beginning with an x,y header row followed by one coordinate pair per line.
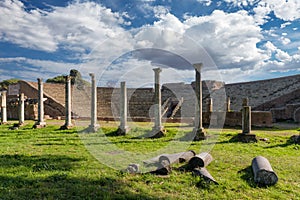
x,y
270,100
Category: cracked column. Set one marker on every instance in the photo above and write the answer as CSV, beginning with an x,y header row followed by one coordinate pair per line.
x,y
123,128
21,109
246,135
158,130
246,120
94,126
68,104
198,130
40,123
3,108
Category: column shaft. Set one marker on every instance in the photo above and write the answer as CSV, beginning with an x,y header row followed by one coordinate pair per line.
x,y
21,109
157,97
3,108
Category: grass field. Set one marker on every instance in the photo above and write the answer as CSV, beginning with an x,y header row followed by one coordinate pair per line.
x,y
53,164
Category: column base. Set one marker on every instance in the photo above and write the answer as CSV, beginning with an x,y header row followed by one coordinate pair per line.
x,y
123,130
39,125
93,128
156,132
200,134
296,139
66,127
246,138
2,123
16,126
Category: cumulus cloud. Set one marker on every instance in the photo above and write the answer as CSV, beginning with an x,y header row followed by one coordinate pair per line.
x,y
230,38
25,28
224,41
76,26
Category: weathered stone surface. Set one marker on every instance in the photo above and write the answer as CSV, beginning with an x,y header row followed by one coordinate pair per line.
x,y
200,160
3,107
133,168
246,120
177,157
205,175
21,109
40,122
296,139
68,105
246,138
263,172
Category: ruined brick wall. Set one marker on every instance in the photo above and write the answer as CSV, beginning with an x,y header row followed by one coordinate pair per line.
x,y
31,111
262,92
258,118
52,107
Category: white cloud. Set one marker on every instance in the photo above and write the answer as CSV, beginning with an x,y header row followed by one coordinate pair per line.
x,y
76,26
286,10
230,38
24,28
205,2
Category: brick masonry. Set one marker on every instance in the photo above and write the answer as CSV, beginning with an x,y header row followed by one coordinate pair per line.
x,y
281,96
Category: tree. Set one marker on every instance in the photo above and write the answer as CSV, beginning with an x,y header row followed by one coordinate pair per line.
x,y
4,84
76,78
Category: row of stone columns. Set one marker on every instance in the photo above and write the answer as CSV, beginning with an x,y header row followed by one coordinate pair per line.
x,y
157,130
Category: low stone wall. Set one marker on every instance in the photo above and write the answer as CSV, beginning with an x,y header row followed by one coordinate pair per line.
x,y
31,111
258,118
289,112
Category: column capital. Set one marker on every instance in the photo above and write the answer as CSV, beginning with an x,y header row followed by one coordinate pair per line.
x,y
68,78
198,66
157,70
39,80
92,75
123,83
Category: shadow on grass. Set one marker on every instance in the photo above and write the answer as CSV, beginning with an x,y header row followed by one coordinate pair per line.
x,y
62,186
289,142
38,163
51,177
247,175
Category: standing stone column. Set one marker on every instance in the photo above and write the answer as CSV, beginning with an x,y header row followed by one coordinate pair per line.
x,y
199,130
40,123
68,104
123,128
246,120
245,102
21,109
246,135
3,108
158,130
228,104
210,105
94,125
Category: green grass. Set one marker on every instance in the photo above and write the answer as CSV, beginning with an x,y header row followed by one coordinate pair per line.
x,y
53,164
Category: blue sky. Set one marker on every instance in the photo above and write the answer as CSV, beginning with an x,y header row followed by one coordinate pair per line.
x,y
119,40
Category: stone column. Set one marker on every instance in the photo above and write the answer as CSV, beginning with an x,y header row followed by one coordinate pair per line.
x,y
40,123
210,105
199,130
246,120
21,109
68,104
94,125
3,108
123,128
245,102
158,129
246,135
228,104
